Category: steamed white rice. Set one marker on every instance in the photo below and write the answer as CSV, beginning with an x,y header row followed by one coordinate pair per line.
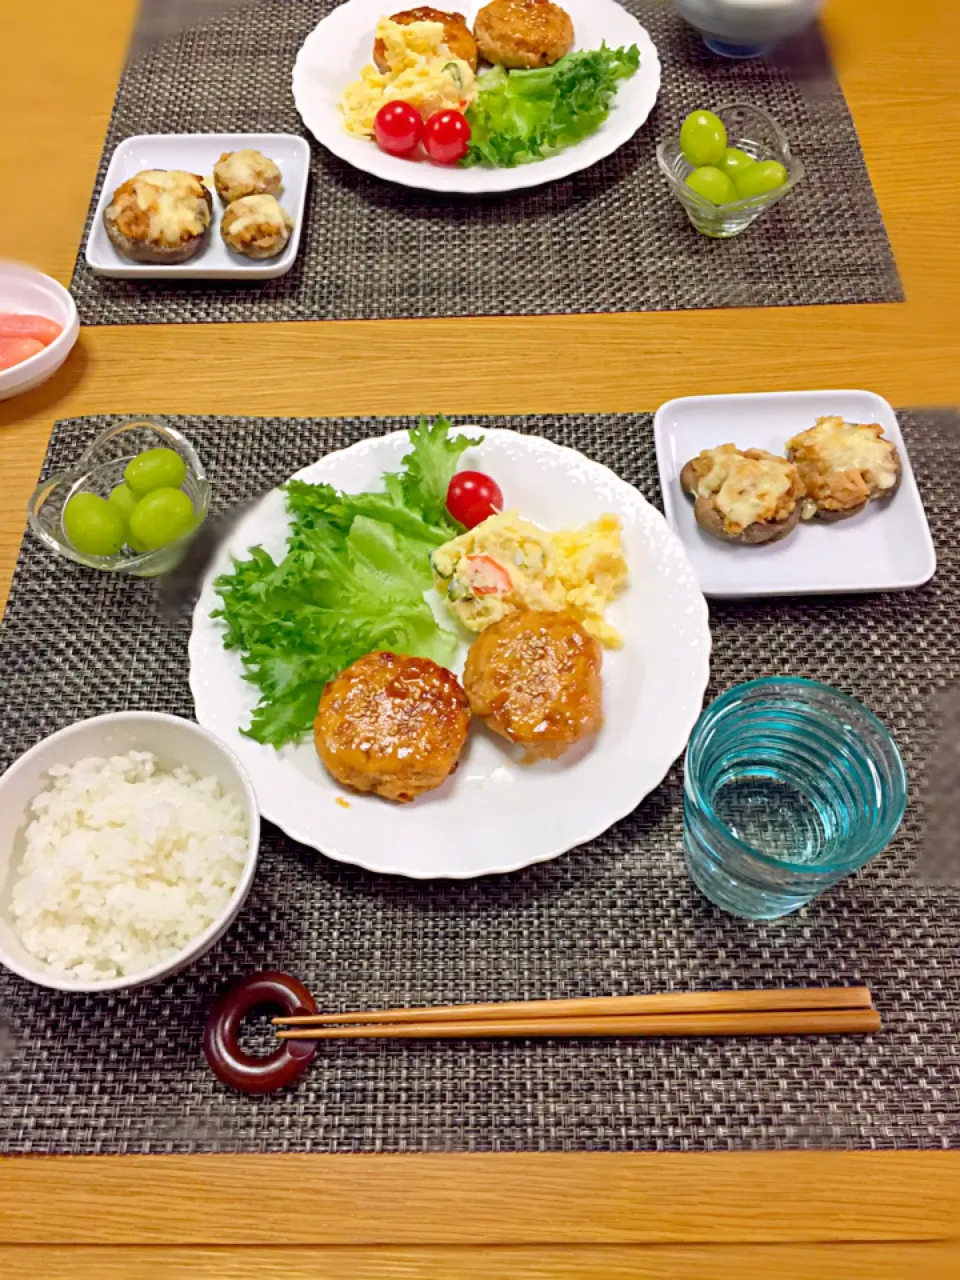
x,y
124,865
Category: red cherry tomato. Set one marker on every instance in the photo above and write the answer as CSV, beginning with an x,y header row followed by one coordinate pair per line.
x,y
473,497
398,128
446,137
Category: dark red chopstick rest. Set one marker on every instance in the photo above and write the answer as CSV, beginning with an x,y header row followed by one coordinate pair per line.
x,y
221,1046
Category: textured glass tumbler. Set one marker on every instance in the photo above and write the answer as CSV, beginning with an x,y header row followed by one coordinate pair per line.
x,y
789,786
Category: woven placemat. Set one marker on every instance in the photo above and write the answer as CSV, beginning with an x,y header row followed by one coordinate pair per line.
x,y
124,1073
605,240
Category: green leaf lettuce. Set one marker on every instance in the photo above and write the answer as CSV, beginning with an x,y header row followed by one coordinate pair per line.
x,y
521,116
352,580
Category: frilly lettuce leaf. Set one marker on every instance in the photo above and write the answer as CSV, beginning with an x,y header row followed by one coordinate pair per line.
x,y
521,116
352,580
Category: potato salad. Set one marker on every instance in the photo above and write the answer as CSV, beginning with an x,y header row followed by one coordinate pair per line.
x,y
421,71
507,563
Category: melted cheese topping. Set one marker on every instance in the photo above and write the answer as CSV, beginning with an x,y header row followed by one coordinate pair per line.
x,y
748,487
421,71
246,173
161,206
256,217
844,464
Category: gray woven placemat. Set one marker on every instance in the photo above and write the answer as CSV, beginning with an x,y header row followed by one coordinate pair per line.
x,y
606,240
119,1074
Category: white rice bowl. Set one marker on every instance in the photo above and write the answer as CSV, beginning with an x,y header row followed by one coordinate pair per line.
x,y
128,845
124,865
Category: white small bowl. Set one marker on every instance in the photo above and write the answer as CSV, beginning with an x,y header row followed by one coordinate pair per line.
x,y
29,292
174,742
747,28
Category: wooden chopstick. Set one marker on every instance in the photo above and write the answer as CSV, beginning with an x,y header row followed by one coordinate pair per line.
x,y
676,1002
772,1023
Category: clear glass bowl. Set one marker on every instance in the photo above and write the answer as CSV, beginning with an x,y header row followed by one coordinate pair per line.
x,y
99,470
789,786
756,133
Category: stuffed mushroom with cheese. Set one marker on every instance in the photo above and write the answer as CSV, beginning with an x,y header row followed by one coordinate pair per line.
x,y
160,216
246,173
843,466
744,495
256,226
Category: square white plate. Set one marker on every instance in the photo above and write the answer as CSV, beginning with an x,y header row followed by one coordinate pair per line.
x,y
198,153
887,547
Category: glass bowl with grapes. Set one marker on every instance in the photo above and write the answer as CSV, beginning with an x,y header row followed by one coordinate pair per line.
x,y
729,166
131,503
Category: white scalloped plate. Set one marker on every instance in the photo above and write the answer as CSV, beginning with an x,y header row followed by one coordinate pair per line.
x,y
336,50
493,815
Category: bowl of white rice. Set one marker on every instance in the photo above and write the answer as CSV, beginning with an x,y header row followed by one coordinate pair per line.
x,y
128,844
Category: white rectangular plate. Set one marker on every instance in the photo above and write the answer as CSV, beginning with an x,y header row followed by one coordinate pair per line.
x,y
198,153
887,547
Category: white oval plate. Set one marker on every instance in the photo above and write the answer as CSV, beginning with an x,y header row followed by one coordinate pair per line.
x,y
493,814
337,49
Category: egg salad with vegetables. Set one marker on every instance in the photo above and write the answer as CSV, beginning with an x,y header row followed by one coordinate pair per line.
x,y
422,72
507,563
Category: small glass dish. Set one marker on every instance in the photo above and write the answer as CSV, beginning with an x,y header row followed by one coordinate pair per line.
x,y
789,786
100,469
756,133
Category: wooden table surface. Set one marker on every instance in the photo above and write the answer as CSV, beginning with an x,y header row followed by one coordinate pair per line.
x,y
791,1214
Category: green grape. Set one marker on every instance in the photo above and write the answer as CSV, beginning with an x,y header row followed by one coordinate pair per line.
x,y
124,499
761,178
160,518
713,184
733,162
93,526
703,139
155,469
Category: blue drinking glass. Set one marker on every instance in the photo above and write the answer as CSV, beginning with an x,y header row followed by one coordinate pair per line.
x,y
789,786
